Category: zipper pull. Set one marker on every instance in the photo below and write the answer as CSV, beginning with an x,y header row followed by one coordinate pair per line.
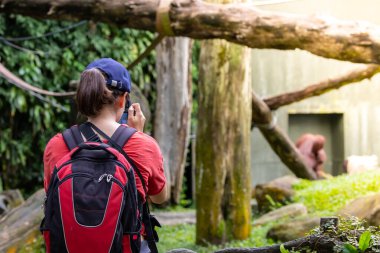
x,y
109,177
101,177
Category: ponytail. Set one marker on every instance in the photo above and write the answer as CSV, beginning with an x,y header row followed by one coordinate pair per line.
x,y
92,93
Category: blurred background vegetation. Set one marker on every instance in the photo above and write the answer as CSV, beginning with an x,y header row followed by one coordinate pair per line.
x,y
51,62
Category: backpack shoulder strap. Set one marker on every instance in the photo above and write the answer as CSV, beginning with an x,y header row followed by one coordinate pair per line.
x,y
89,133
72,137
120,138
122,135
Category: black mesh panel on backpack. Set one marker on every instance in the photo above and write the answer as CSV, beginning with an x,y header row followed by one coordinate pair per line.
x,y
89,192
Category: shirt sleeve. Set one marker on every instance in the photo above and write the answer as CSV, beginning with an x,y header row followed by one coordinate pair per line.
x,y
54,151
146,154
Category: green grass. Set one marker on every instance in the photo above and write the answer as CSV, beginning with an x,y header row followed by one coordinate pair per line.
x,y
183,236
325,197
180,236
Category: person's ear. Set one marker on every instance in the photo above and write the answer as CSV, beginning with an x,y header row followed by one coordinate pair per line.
x,y
121,101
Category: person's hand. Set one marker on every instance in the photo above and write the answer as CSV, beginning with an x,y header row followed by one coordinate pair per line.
x,y
136,118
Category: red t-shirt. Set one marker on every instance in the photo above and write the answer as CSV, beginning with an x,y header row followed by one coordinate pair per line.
x,y
141,148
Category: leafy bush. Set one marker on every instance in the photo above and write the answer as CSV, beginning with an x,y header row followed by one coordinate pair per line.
x,y
352,236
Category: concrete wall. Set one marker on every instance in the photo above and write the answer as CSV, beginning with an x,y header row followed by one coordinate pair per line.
x,y
276,72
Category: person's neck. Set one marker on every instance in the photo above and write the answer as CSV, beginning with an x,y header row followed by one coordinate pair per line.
x,y
106,122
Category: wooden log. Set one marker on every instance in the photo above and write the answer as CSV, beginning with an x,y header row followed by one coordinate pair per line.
x,y
21,223
239,23
321,244
278,140
320,88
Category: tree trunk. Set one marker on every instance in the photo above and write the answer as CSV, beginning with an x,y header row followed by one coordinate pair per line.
x,y
238,23
173,110
223,143
278,140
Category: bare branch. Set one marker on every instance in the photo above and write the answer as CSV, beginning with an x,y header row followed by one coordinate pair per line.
x,y
320,88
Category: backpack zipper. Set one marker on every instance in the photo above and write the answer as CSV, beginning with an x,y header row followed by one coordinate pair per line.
x,y
109,178
92,160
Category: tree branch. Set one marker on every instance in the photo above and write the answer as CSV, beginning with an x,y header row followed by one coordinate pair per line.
x,y
278,140
317,89
238,23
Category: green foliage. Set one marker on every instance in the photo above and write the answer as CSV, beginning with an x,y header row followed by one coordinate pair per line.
x,y
34,246
283,250
353,236
27,123
364,241
273,205
348,248
325,197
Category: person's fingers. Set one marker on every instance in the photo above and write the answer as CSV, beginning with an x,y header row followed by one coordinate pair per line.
x,y
138,110
137,107
130,113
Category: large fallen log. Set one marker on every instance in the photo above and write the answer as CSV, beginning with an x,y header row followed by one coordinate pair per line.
x,y
239,23
318,243
22,223
10,199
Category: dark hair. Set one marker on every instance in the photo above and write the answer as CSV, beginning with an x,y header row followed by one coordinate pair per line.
x,y
92,93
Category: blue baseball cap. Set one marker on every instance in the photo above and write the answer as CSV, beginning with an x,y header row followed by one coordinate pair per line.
x,y
117,75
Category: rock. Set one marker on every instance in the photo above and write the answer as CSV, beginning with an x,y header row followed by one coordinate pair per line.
x,y
359,164
289,211
277,191
366,207
293,229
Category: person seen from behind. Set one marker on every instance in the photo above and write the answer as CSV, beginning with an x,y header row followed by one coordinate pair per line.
x,y
102,95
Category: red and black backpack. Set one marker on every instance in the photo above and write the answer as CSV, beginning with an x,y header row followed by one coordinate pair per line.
x,y
92,204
